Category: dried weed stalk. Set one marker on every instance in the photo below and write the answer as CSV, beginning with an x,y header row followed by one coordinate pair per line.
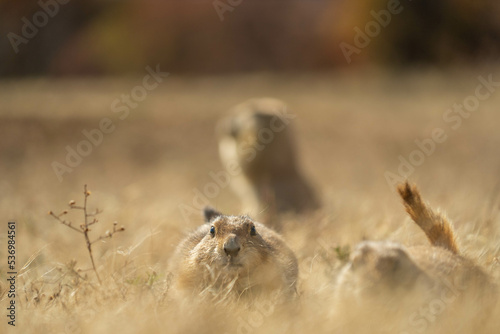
x,y
84,228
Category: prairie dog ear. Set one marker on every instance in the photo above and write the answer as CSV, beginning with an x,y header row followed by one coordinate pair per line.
x,y
210,213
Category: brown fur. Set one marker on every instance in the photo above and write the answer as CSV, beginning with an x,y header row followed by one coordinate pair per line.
x,y
397,282
234,260
435,224
258,137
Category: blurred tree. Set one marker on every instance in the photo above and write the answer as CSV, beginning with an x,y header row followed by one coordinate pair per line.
x,y
116,37
426,31
35,55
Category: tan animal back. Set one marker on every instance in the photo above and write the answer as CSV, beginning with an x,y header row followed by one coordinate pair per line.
x,y
429,288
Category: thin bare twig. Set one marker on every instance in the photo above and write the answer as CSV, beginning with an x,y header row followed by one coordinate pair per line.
x,y
64,222
84,228
86,231
109,234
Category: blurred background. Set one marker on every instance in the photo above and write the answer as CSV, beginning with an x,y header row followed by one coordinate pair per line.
x,y
103,37
365,78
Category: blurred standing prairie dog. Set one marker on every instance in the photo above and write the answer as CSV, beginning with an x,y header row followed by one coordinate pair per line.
x,y
257,140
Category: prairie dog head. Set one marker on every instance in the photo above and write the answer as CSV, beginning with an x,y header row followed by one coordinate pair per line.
x,y
234,256
377,267
232,243
257,135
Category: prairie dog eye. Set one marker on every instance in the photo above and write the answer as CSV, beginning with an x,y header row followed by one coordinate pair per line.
x,y
212,231
253,231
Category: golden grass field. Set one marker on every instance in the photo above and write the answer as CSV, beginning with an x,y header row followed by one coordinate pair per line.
x,y
351,128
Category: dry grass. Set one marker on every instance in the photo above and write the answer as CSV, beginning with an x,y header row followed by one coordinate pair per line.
x,y
89,219
352,129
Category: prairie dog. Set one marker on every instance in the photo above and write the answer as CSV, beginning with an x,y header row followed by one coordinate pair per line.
x,y
234,256
258,138
407,286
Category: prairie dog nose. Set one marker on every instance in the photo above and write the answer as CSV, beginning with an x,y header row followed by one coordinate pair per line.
x,y
232,246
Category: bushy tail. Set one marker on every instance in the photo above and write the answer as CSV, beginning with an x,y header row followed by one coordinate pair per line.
x,y
435,224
